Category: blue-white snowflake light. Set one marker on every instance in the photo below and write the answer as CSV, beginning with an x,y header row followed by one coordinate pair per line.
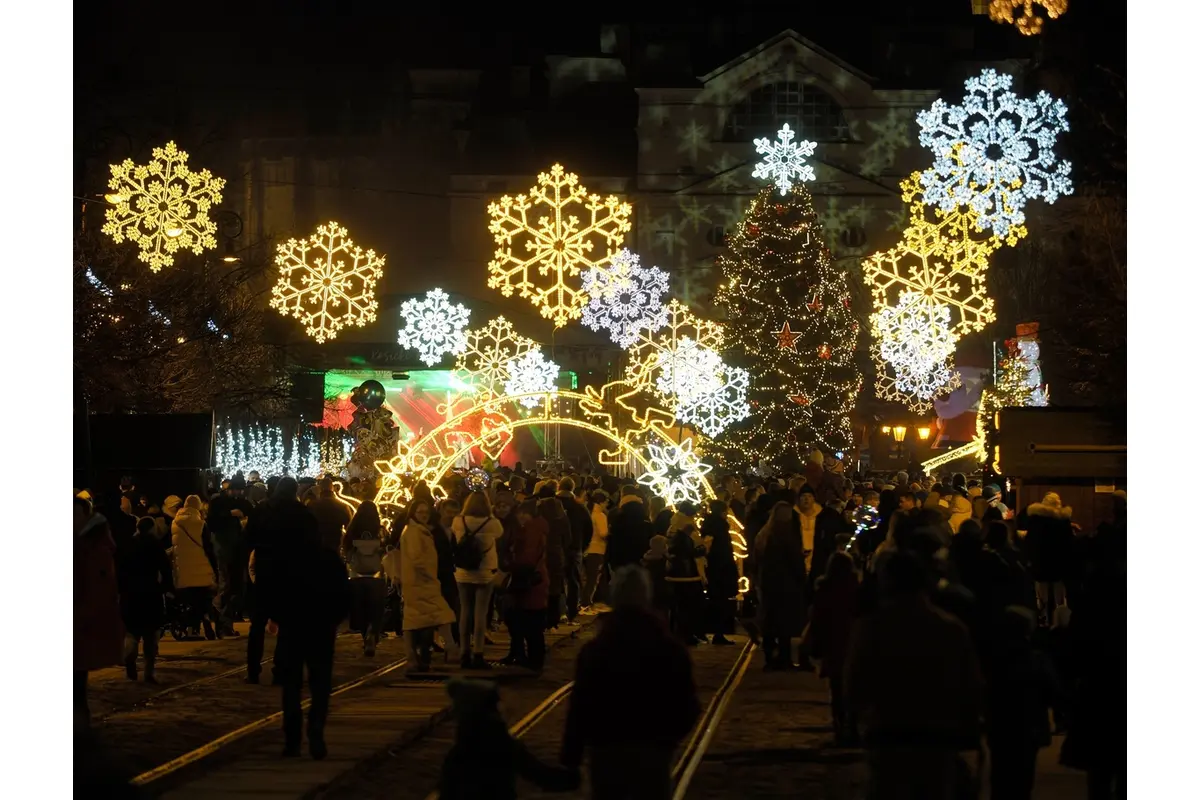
x,y
688,372
675,473
433,326
784,159
531,372
914,335
715,411
625,298
994,152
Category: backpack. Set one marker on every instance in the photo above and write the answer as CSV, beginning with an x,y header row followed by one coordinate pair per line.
x,y
366,556
468,551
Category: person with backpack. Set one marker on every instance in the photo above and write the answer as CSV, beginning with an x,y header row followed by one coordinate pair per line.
x,y
362,547
476,564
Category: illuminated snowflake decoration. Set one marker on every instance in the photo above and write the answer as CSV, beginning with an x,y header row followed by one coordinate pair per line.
x,y
162,207
327,282
624,298
654,349
433,326
784,159
488,352
688,372
675,473
538,237
715,411
994,152
1029,23
531,372
958,228
940,381
914,335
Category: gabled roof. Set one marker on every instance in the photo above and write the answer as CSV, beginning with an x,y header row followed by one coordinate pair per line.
x,y
785,35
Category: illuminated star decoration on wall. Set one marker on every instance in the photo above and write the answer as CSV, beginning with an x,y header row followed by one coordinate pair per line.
x,y
488,352
714,411
675,473
327,282
994,152
1030,22
624,298
531,372
555,245
784,160
162,207
787,339
433,326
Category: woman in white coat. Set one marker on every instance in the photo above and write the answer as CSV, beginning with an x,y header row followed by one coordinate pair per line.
x,y
474,534
192,559
424,607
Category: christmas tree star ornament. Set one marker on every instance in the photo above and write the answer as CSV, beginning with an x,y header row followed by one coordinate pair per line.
x,y
815,305
433,326
624,298
327,282
784,159
787,339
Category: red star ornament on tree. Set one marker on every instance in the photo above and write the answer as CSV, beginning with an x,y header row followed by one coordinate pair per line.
x,y
799,399
815,305
824,351
787,339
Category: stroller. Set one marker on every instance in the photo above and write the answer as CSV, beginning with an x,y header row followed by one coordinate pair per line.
x,y
184,613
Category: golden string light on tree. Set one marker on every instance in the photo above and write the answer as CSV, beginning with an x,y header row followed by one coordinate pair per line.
x,y
162,207
327,282
1029,22
547,237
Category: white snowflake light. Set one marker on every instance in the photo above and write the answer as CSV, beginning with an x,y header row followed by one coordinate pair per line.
x,y
715,411
784,159
994,152
915,335
433,326
689,371
531,372
625,298
675,473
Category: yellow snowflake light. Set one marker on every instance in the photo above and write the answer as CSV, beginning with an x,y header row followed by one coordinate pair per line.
x,y
960,228
1029,23
654,348
327,282
489,350
556,245
162,207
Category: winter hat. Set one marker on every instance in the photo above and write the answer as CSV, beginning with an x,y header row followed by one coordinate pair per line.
x,y
686,507
238,483
806,489
171,506
193,502
630,587
990,491
817,457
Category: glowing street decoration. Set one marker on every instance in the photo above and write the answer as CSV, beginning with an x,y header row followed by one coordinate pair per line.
x,y
489,350
784,159
675,473
530,373
994,152
914,336
434,327
689,372
554,245
327,282
653,349
715,411
625,297
959,228
1029,23
920,389
162,207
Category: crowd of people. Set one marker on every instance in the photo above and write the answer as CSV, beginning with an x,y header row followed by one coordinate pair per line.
x,y
940,618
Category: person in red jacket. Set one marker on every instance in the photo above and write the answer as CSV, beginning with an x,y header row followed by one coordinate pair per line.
x,y
634,698
529,586
833,610
99,635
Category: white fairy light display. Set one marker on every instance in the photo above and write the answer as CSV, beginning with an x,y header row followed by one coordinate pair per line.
x,y
784,159
531,372
915,335
675,473
434,326
624,298
994,152
688,372
715,411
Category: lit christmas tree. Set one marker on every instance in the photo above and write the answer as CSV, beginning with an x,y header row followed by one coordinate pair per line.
x,y
788,321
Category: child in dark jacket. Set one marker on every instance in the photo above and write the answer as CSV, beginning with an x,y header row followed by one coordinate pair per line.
x,y
831,619
143,578
485,759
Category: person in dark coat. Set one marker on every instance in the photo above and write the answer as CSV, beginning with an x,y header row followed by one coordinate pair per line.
x,y
307,595
332,515
634,698
832,619
781,581
557,536
528,588
629,531
1049,541
1005,569
226,514
721,569
143,577
581,536
98,633
447,510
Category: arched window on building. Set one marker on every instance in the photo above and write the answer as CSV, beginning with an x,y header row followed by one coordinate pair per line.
x,y
812,113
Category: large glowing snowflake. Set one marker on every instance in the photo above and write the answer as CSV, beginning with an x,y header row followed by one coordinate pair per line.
x,y
162,207
489,350
715,411
652,349
531,372
914,335
433,326
959,228
784,160
688,372
327,282
554,245
625,297
916,391
994,152
1029,23
675,473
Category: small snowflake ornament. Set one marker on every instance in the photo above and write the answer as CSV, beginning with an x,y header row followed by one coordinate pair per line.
x,y
530,373
713,412
784,159
915,336
994,152
625,298
675,473
433,326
